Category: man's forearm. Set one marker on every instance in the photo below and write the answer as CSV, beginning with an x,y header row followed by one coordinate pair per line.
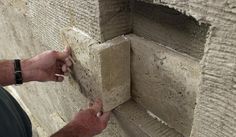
x,y
7,73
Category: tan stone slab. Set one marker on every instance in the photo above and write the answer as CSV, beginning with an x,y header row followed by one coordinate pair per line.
x,y
165,82
102,70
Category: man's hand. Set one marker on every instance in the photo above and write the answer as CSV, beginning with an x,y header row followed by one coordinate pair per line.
x,y
47,66
86,123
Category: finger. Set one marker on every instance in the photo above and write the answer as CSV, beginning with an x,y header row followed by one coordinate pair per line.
x,y
64,68
63,55
99,114
104,119
59,64
58,78
68,62
97,106
59,71
68,49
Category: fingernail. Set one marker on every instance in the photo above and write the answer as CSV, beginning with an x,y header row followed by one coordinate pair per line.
x,y
99,114
64,68
68,62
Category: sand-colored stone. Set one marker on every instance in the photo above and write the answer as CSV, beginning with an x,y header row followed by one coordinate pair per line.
x,y
214,115
166,82
138,123
101,70
170,28
32,26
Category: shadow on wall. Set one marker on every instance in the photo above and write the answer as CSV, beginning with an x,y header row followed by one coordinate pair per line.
x,y
165,63
171,28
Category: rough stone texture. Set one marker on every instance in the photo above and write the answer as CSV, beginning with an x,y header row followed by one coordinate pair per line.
x,y
165,82
30,27
215,111
101,19
114,18
170,28
54,102
102,70
136,121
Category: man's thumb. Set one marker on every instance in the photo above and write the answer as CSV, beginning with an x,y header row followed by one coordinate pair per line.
x,y
65,54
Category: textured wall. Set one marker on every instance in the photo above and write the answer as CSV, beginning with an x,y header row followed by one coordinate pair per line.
x,y
101,70
57,102
101,19
171,28
165,82
215,110
54,102
30,27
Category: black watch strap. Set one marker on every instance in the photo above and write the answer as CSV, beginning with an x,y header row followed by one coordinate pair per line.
x,y
18,73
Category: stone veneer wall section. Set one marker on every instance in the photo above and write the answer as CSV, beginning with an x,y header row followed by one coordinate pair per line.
x,y
215,111
31,27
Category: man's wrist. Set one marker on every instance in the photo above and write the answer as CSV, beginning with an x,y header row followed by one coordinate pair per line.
x,y
26,69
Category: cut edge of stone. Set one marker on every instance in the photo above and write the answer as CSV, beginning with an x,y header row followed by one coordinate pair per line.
x,y
121,92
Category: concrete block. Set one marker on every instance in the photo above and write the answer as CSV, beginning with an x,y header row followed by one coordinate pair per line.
x,y
101,70
165,82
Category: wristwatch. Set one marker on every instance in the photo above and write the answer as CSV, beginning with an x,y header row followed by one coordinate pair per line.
x,y
18,73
